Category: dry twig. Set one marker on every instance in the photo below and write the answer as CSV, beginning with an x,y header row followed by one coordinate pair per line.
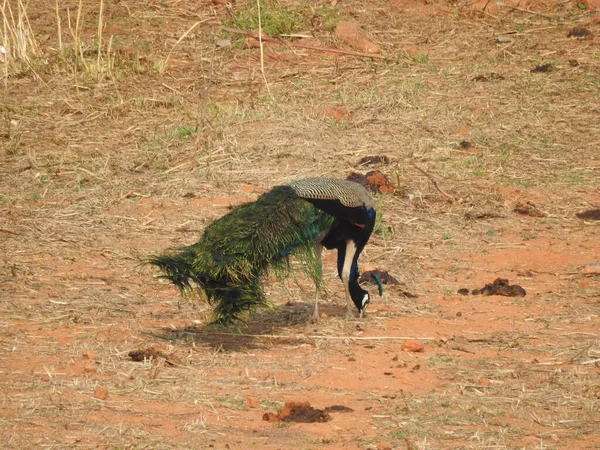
x,y
434,182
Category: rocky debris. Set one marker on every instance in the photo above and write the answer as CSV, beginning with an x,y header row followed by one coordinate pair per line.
x,y
492,76
374,160
152,353
500,286
336,113
88,354
528,209
384,277
375,181
542,68
302,412
101,393
413,346
580,33
591,214
351,34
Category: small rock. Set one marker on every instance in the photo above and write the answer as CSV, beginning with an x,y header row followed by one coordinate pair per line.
x,y
384,446
101,393
500,286
528,209
374,160
413,346
580,33
252,402
368,276
591,214
223,43
351,34
90,369
485,382
335,113
45,378
542,68
375,181
88,354
492,76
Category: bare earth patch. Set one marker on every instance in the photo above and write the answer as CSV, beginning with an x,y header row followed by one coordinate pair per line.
x,y
119,141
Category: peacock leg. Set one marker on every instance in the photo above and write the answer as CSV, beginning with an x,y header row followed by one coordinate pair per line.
x,y
319,278
349,302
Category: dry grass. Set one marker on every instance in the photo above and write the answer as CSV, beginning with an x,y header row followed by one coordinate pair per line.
x,y
127,131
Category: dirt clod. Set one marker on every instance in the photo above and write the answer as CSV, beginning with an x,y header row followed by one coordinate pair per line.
x,y
413,346
375,181
542,68
299,412
500,286
101,393
464,291
252,402
152,353
528,209
488,77
580,33
373,160
592,214
384,446
351,34
88,354
338,408
384,277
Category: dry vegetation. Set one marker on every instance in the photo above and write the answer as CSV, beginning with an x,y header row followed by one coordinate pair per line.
x,y
124,130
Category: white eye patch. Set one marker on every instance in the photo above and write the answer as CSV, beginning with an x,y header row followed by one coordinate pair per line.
x,y
365,301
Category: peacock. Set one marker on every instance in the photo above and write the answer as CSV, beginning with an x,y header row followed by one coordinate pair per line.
x,y
297,219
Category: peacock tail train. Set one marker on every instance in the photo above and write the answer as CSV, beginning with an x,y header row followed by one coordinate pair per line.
x,y
237,250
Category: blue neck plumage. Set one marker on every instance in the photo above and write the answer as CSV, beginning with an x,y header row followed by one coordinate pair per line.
x,y
356,292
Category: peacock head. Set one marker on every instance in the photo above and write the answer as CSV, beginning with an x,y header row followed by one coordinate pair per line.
x,y
360,297
365,302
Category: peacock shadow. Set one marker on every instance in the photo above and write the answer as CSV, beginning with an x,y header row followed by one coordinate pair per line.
x,y
265,328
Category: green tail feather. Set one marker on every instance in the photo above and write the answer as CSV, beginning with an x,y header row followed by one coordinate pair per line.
x,y
238,249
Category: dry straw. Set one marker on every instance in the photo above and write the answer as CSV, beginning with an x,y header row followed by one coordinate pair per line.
x,y
17,35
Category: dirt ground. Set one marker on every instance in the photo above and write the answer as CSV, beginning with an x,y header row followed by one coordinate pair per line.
x,y
122,140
